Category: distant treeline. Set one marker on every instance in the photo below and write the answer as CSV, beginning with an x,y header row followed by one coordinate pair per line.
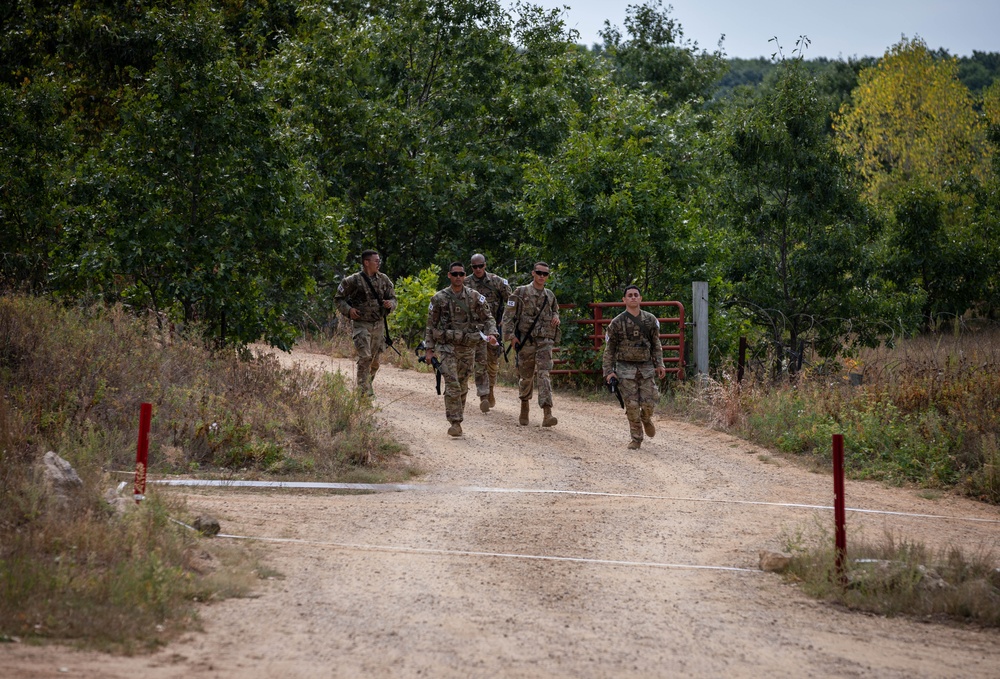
x,y
977,72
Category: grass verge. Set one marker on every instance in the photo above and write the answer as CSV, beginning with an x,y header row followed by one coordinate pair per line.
x,y
71,381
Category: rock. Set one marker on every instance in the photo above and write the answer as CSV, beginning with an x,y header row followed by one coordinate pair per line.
x,y
774,562
118,500
63,483
207,525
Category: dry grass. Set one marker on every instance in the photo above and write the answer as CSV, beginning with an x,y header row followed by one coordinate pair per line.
x,y
71,381
897,577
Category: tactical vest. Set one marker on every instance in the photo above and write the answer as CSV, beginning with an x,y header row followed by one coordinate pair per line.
x,y
637,344
461,333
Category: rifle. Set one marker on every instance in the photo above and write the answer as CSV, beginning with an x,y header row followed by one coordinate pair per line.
x,y
421,351
527,336
613,388
385,316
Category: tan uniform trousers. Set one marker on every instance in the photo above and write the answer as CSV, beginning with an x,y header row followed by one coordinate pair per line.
x,y
456,367
487,367
369,340
534,362
641,396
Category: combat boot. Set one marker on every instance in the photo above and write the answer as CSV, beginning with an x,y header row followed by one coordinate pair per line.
x,y
548,420
523,419
647,426
492,399
455,429
634,445
484,404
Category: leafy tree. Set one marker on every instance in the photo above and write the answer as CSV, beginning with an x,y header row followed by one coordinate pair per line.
x,y
418,112
33,141
910,119
198,206
913,134
797,236
655,56
612,198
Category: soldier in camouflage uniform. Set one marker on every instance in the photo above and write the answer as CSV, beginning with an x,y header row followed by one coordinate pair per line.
x,y
496,290
633,354
356,300
531,321
458,321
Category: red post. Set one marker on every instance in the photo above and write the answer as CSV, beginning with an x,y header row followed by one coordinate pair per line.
x,y
838,502
142,451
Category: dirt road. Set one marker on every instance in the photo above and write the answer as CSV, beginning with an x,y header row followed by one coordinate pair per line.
x,y
656,577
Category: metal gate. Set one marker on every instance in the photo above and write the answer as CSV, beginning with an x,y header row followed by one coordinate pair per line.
x,y
673,342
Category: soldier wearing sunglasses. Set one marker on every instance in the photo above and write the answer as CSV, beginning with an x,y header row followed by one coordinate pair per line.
x,y
458,321
531,320
496,290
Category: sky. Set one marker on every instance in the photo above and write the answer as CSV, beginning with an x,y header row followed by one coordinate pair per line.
x,y
841,29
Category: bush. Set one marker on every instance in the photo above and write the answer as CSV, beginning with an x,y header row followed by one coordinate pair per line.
x,y
413,296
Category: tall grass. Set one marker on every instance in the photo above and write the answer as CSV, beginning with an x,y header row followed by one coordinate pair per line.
x,y
71,381
927,412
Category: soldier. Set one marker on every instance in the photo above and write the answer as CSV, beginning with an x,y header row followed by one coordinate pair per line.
x,y
632,354
531,320
458,321
496,290
367,297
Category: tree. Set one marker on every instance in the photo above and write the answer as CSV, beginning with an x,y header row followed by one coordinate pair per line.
x,y
198,205
911,120
797,235
418,113
612,198
656,58
912,132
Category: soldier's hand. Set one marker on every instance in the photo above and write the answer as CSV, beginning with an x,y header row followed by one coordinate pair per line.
x,y
661,372
387,303
611,376
514,341
428,356
555,321
355,314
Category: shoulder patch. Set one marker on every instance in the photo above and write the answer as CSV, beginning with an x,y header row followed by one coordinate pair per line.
x,y
511,302
482,300
505,282
340,288
430,307
657,321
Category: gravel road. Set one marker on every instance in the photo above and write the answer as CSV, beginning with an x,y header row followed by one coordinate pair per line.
x,y
618,564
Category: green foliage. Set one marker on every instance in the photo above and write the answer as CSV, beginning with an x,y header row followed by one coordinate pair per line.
x,y
418,112
414,294
657,59
797,243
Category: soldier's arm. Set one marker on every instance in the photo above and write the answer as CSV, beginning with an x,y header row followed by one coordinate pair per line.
x,y
344,292
555,311
433,314
511,315
657,346
610,351
389,295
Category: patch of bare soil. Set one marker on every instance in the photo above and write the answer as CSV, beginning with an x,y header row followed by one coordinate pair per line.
x,y
657,574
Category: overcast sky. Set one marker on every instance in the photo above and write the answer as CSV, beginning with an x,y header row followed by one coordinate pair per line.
x,y
841,29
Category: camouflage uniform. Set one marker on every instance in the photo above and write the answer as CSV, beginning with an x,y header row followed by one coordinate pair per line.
x,y
535,358
496,290
455,326
632,351
369,329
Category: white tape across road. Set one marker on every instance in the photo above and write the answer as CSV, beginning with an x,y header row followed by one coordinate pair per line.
x,y
495,555
401,487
